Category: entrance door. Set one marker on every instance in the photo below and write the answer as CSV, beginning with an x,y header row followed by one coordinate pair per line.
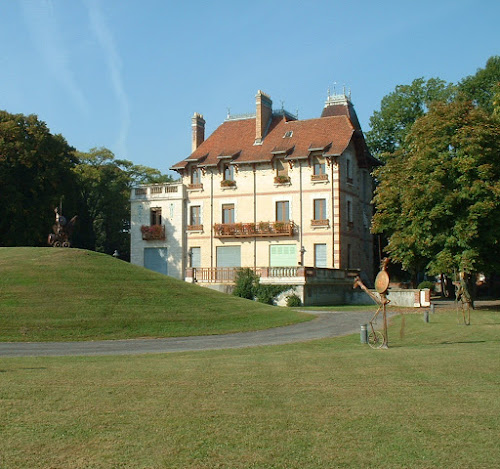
x,y
156,259
283,255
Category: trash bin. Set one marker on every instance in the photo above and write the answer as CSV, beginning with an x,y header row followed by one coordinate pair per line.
x,y
364,333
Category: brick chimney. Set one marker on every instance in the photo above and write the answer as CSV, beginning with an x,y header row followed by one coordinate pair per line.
x,y
264,113
197,131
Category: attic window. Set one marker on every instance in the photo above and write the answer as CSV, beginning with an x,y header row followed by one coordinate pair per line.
x,y
288,134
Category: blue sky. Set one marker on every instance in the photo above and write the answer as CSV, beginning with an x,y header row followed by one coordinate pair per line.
x,y
129,74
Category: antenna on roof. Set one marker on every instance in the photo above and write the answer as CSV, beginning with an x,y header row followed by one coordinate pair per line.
x,y
328,92
334,87
228,113
297,113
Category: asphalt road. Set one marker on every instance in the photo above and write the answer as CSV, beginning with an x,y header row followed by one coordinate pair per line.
x,y
324,325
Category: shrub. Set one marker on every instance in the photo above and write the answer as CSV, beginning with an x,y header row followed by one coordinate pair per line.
x,y
426,284
267,293
246,284
293,300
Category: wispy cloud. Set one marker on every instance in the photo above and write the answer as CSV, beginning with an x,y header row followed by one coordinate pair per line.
x,y
106,41
40,19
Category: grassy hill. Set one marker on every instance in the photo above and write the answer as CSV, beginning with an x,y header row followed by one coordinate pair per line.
x,y
71,294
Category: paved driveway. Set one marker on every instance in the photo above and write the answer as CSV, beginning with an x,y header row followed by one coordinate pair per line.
x,y
324,325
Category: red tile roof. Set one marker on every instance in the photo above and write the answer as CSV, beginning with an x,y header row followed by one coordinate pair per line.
x,y
332,134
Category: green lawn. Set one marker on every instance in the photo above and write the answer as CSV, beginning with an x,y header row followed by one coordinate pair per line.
x,y
431,400
71,294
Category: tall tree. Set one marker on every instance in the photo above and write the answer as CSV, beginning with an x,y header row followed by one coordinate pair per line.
x,y
399,110
438,199
104,203
35,172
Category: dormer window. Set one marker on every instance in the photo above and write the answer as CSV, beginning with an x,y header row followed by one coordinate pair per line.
x,y
288,134
281,172
195,176
319,166
281,168
228,172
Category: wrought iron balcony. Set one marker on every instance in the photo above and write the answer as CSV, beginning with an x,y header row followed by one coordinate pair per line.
x,y
251,230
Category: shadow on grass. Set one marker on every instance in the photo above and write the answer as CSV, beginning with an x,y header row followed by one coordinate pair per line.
x,y
447,342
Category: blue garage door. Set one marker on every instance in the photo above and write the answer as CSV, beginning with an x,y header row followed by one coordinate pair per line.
x,y
156,259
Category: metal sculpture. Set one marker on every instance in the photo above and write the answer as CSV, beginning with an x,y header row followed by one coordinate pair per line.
x,y
463,295
377,339
62,230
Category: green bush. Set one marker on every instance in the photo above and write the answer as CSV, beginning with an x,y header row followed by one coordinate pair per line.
x,y
426,284
267,293
293,301
246,284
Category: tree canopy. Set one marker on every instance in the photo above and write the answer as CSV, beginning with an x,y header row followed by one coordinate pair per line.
x,y
399,110
35,172
482,87
438,194
104,185
38,170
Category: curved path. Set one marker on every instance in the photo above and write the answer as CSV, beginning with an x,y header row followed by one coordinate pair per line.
x,y
331,324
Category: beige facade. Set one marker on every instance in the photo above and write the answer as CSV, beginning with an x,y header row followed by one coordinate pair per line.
x,y
266,191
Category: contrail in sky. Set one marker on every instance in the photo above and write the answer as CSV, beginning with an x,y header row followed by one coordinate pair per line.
x,y
114,63
42,25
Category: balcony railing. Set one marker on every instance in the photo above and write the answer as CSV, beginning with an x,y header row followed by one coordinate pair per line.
x,y
270,275
250,230
214,275
153,232
158,190
282,180
228,183
319,177
320,222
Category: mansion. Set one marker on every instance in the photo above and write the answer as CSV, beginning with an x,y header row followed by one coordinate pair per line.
x,y
288,198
